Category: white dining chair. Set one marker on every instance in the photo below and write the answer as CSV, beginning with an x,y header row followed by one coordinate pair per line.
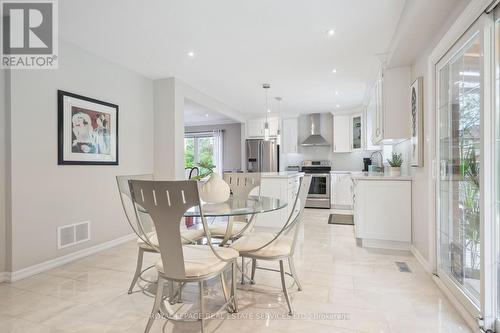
x,y
143,227
167,202
241,185
277,247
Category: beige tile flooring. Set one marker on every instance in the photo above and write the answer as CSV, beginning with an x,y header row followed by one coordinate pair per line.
x,y
362,288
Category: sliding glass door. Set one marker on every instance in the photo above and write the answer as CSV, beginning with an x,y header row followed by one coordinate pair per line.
x,y
465,183
459,188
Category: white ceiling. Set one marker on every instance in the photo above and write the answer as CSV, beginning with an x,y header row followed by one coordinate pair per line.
x,y
239,45
196,114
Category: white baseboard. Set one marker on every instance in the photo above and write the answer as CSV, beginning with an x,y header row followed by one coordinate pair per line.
x,y
425,264
53,263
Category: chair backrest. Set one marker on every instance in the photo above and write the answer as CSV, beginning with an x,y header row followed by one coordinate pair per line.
x,y
241,184
291,226
140,223
295,218
166,202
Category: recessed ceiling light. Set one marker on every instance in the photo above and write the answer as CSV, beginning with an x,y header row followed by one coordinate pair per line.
x,y
206,115
268,110
334,71
331,32
336,92
191,54
338,106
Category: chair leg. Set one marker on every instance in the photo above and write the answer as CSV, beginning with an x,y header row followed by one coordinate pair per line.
x,y
157,304
291,263
254,267
202,307
233,286
285,291
242,270
138,269
223,285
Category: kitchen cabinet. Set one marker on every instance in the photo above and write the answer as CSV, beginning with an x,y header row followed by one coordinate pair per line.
x,y
284,186
391,105
370,117
255,127
357,129
289,137
341,134
341,190
382,212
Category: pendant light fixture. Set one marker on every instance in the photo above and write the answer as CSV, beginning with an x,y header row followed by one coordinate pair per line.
x,y
278,134
266,86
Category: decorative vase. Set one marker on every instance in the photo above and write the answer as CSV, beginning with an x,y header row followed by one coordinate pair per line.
x,y
215,190
394,171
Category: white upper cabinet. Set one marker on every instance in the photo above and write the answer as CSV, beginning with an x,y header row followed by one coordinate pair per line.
x,y
255,127
370,121
289,139
357,129
341,134
390,104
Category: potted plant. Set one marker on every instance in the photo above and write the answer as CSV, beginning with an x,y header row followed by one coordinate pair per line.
x,y
395,163
215,189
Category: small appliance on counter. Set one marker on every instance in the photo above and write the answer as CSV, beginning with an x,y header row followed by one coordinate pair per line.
x,y
366,163
319,191
293,168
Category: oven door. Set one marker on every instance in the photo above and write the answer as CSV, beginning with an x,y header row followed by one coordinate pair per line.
x,y
319,191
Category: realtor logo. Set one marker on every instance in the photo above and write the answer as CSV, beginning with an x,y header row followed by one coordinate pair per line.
x,y
29,34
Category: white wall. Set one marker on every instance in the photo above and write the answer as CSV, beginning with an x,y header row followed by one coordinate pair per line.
x,y
3,171
422,187
232,142
45,195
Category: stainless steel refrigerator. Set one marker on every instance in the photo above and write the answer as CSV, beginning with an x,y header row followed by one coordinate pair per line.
x,y
262,156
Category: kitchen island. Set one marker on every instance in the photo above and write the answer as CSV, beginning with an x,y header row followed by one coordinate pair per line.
x,y
283,185
382,210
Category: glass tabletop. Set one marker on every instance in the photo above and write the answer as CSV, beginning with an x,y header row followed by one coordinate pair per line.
x,y
234,207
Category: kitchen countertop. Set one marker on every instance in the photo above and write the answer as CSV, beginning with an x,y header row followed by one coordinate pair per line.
x,y
377,176
282,174
372,176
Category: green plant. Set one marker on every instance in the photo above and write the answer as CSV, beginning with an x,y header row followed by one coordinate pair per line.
x,y
206,169
396,160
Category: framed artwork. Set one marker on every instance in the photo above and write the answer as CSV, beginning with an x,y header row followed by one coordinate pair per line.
x,y
417,123
87,130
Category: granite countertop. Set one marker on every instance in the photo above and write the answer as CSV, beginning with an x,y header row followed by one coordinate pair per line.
x,y
281,174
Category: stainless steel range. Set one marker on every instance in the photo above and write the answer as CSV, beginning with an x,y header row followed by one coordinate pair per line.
x,y
319,191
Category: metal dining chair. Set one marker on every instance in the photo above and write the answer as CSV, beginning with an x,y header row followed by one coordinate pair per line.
x,y
167,202
142,225
277,247
241,185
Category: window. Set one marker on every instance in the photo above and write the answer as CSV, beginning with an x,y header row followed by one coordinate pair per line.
x,y
199,150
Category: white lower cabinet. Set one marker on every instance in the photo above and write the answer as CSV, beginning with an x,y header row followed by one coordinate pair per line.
x,y
382,213
284,188
341,190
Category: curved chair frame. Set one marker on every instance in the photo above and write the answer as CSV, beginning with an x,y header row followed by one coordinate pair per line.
x,y
291,226
166,202
240,184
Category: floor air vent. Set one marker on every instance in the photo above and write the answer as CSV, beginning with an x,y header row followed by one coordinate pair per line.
x,y
403,267
73,234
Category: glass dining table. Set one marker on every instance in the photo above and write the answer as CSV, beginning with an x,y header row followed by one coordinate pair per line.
x,y
238,207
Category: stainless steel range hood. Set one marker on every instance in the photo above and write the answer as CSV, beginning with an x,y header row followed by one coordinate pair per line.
x,y
315,138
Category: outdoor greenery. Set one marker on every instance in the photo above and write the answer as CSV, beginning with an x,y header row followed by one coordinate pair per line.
x,y
199,152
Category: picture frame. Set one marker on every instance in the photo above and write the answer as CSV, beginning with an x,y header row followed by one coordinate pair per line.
x,y
417,123
87,130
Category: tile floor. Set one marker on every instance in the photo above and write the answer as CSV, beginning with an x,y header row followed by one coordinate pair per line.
x,y
361,290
